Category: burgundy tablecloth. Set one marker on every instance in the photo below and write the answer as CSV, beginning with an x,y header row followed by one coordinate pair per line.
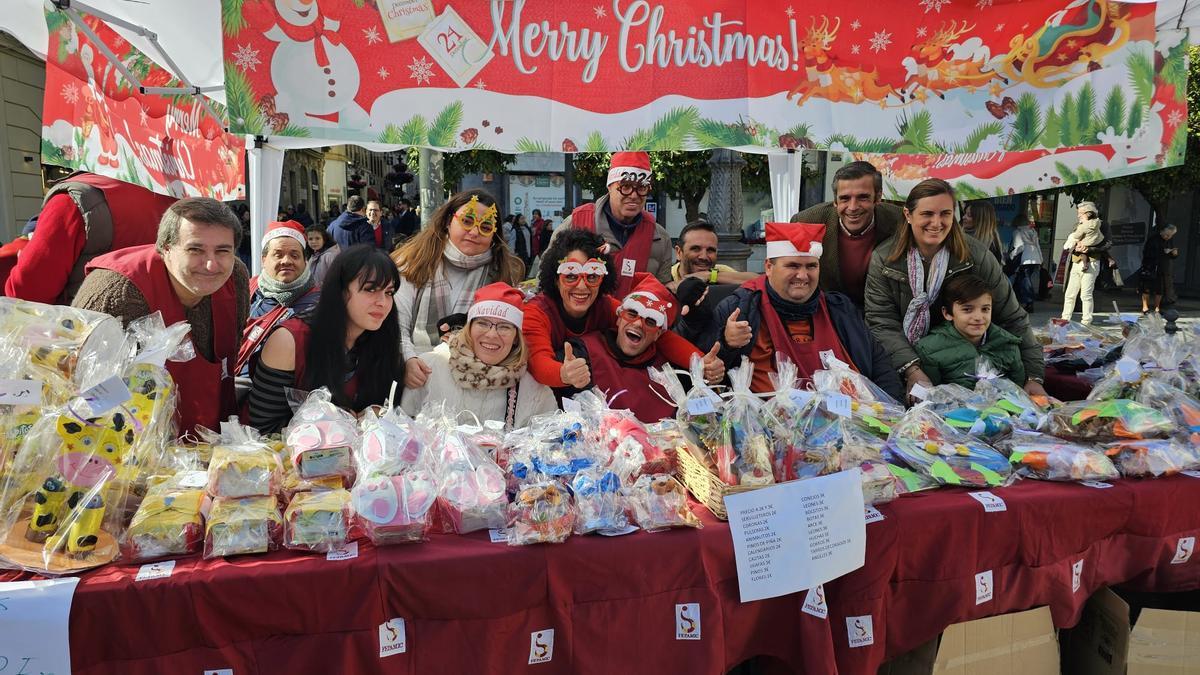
x,y
1066,386
471,605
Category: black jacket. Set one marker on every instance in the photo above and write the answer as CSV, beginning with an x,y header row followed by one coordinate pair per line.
x,y
865,351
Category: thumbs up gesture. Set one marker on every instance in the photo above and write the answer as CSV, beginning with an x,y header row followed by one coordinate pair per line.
x,y
574,371
714,368
737,333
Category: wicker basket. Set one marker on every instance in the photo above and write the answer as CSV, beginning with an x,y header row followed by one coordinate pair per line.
x,y
704,485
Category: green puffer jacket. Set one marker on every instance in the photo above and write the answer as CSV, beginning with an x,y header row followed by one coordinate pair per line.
x,y
948,358
887,296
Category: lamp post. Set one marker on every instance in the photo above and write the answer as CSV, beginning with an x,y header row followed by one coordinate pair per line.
x,y
725,207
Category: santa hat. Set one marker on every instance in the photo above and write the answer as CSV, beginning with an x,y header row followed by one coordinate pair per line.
x,y
651,300
498,301
785,240
287,228
633,167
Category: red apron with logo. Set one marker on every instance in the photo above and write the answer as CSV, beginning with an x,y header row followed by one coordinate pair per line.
x,y
300,333
806,355
631,385
632,257
206,393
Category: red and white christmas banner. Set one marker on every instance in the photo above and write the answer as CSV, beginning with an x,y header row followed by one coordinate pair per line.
x,y
1001,95
94,119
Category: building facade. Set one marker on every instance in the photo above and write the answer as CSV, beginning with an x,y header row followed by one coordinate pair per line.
x,y
22,81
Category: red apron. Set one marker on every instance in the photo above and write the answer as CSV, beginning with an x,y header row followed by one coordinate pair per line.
x,y
806,355
601,316
633,256
633,382
300,333
206,393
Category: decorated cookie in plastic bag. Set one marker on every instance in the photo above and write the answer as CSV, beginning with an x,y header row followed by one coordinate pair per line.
x,y
395,509
318,521
170,520
1182,409
471,488
1047,458
745,451
1104,421
540,514
659,502
241,526
599,505
1153,457
925,443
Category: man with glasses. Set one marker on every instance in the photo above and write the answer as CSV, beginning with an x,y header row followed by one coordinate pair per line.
x,y
617,358
635,243
382,231
785,314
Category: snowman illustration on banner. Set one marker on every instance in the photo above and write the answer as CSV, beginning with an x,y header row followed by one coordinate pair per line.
x,y
315,76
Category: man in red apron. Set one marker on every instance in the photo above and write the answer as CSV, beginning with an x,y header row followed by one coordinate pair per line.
x,y
191,274
785,314
635,242
618,358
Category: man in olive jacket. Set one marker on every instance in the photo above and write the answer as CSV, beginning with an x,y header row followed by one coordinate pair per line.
x,y
856,221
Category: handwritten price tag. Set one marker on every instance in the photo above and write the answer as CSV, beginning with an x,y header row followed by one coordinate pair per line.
x,y
838,404
347,552
801,397
1129,370
919,392
107,395
20,392
701,405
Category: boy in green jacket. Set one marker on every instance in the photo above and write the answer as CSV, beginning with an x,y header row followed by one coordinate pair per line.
x,y
949,352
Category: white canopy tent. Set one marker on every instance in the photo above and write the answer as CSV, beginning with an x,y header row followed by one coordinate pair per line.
x,y
189,35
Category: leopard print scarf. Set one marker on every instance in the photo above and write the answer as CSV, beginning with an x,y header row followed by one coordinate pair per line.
x,y
471,373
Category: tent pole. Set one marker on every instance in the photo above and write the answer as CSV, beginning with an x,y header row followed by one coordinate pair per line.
x,y
108,53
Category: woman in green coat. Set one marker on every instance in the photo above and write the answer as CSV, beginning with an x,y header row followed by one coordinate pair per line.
x,y
907,273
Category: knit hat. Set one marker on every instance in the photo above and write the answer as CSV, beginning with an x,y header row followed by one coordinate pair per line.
x,y
498,301
287,228
651,300
785,240
631,167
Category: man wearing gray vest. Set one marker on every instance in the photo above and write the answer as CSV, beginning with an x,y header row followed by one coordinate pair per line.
x,y
83,216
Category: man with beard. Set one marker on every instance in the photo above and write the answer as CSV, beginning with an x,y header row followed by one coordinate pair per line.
x,y
785,312
283,290
618,358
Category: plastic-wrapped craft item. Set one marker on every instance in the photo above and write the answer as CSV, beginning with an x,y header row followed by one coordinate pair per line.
x,y
389,445
1104,421
1044,457
321,438
540,514
293,484
246,470
660,502
838,377
395,509
471,488
241,526
318,521
831,442
599,505
698,412
879,483
993,389
170,520
1153,457
632,451
1182,409
70,349
744,437
925,443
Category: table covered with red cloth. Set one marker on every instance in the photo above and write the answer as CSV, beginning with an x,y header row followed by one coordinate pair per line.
x,y
1065,385
473,606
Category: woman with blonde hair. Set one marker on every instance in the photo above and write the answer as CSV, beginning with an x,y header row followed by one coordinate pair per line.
x,y
979,220
482,367
908,271
459,252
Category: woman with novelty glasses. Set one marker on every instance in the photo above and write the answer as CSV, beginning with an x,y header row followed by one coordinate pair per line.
x,y
349,345
458,253
574,299
482,367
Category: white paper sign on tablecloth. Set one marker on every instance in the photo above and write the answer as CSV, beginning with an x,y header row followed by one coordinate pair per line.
x,y
34,620
796,535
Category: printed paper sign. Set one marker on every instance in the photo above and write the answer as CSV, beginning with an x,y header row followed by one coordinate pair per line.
x,y
221,671
628,267
1183,550
1076,575
860,631
155,570
20,392
814,603
498,536
541,646
456,47
687,621
872,514
392,638
983,587
347,552
797,535
107,395
991,503
34,625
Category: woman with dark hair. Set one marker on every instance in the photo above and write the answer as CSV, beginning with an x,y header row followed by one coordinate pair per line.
x,y
349,345
908,271
459,252
575,283
1156,280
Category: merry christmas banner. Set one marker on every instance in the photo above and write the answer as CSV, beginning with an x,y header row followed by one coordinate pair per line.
x,y
94,119
996,95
